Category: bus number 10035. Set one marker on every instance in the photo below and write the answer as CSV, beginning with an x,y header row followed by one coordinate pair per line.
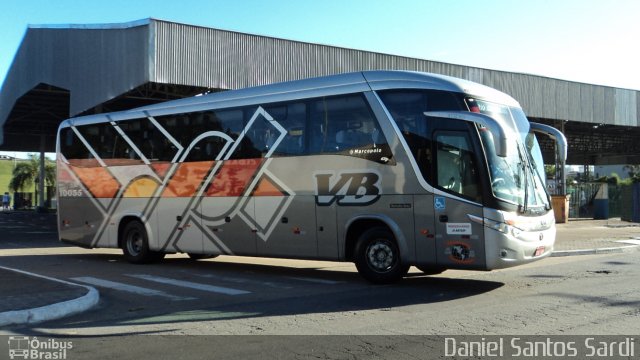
x,y
71,192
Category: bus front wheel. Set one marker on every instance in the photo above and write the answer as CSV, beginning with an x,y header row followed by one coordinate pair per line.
x,y
377,257
135,244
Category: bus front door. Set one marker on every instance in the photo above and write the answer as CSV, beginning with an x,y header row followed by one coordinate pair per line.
x,y
457,198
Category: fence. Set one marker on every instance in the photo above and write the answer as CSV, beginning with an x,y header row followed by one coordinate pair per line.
x,y
630,206
29,200
583,195
23,200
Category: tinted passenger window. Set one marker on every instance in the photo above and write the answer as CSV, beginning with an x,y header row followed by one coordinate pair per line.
x,y
185,128
74,150
109,145
146,137
345,125
260,135
407,108
292,117
232,122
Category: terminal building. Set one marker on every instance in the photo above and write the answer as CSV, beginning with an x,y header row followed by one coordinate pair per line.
x,y
62,71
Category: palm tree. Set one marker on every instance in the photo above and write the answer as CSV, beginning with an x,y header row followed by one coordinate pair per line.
x,y
634,172
27,174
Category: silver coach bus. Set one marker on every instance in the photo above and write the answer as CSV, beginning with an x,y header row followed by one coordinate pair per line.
x,y
387,169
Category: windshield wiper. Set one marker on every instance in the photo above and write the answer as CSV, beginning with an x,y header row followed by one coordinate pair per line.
x,y
523,209
526,190
535,186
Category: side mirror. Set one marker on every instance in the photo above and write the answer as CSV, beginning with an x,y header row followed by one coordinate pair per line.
x,y
498,132
556,135
561,152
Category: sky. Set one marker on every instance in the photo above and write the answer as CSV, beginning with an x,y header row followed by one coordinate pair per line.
x,y
590,41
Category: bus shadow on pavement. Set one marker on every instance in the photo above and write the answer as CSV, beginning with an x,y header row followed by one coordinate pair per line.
x,y
342,291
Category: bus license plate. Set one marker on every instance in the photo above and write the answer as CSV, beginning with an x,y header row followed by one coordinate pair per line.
x,y
539,251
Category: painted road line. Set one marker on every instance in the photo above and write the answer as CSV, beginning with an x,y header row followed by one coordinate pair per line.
x,y
242,280
128,288
314,280
630,241
191,285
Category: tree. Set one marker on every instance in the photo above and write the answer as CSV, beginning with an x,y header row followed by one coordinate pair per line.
x,y
550,171
27,173
634,172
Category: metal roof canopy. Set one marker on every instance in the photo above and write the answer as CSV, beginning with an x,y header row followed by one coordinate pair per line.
x,y
61,71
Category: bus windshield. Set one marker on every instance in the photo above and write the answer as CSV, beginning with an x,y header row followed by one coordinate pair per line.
x,y
518,177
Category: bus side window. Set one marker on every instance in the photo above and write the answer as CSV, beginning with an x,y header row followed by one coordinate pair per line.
x,y
255,142
231,122
109,145
72,148
352,135
292,117
136,131
343,124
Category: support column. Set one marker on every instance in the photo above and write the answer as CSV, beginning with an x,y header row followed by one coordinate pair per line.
x,y
561,177
41,189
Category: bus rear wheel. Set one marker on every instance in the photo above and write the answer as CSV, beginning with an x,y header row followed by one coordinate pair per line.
x,y
135,244
377,257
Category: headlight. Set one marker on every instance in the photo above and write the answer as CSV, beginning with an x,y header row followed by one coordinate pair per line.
x,y
496,225
502,227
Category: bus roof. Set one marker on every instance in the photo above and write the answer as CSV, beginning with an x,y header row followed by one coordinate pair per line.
x,y
312,87
379,80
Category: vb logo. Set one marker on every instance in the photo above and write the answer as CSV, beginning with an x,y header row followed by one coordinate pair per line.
x,y
348,188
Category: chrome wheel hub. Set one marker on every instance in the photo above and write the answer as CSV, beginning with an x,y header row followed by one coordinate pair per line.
x,y
380,256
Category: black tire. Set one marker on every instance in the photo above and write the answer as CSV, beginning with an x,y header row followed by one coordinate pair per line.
x,y
201,256
377,257
135,244
430,270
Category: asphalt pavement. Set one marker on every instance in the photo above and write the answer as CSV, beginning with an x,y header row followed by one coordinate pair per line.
x,y
32,298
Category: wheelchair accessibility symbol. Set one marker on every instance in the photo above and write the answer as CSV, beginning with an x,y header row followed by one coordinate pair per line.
x,y
439,203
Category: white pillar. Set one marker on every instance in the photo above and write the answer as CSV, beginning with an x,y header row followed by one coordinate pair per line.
x,y
41,188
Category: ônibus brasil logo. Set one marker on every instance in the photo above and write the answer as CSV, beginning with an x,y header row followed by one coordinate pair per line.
x,y
24,347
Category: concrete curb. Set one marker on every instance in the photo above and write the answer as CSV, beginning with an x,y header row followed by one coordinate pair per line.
x,y
610,250
53,311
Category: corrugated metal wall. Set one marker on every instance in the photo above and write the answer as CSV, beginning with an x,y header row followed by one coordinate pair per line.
x,y
191,55
99,63
626,110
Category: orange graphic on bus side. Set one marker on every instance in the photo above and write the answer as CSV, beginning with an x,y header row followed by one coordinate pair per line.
x,y
143,187
187,179
97,180
233,177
